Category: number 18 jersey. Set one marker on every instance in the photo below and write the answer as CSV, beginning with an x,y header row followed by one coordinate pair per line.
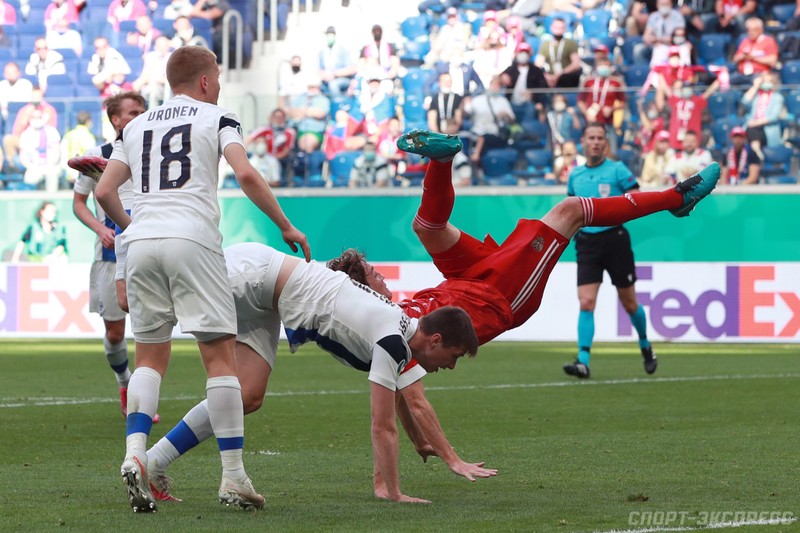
x,y
173,152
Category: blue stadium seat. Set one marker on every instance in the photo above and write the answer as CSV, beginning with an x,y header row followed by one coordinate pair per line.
x,y
569,18
165,27
308,169
777,160
415,51
34,24
61,79
636,75
595,23
60,91
780,180
340,167
720,131
25,46
86,91
129,51
415,114
126,26
414,28
534,135
498,166
792,101
414,82
713,48
627,49
790,73
721,105
7,54
628,157
783,13
539,162
67,53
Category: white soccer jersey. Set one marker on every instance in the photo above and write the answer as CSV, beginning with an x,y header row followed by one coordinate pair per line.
x,y
356,325
173,152
86,185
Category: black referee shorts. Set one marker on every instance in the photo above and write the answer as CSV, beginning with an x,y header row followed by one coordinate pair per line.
x,y
609,250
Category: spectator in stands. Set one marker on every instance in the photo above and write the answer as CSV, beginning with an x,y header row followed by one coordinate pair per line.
x,y
336,65
732,14
450,39
385,53
214,10
663,77
387,145
465,80
184,34
742,166
292,82
692,11
265,163
524,83
25,113
491,58
44,62
5,40
61,10
119,10
308,114
152,82
636,22
602,99
757,53
462,167
76,141
657,37
794,23
40,153
145,35
376,104
369,169
767,105
515,35
63,36
652,124
490,26
45,240
178,8
563,121
13,87
690,160
278,138
559,57
118,83
654,170
281,16
491,113
445,105
686,111
8,14
565,163
106,61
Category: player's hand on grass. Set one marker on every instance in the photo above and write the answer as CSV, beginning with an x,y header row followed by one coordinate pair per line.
x,y
107,236
293,236
472,470
89,165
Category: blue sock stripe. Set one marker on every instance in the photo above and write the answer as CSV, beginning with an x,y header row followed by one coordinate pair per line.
x,y
230,443
182,437
120,368
138,423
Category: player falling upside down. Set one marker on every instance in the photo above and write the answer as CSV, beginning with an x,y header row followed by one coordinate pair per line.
x,y
501,286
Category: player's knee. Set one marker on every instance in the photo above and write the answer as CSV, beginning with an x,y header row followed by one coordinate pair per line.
x,y
416,227
252,402
115,336
569,209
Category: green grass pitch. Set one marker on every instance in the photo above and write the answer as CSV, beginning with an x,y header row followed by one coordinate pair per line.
x,y
715,430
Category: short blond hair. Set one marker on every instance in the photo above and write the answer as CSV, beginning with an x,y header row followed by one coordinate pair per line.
x,y
187,64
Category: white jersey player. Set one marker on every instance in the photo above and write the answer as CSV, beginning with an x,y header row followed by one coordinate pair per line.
x,y
359,327
175,270
121,109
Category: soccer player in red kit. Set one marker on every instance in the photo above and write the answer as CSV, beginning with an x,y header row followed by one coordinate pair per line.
x,y
500,286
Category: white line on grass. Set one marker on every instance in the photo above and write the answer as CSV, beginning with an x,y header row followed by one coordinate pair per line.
x,y
15,402
716,525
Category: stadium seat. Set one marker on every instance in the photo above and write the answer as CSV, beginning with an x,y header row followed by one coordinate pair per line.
x,y
61,79
414,82
788,51
498,166
415,51
783,13
780,180
720,131
67,53
636,75
311,173
340,167
415,114
722,105
777,161
629,158
538,161
165,27
790,73
60,91
595,23
534,135
568,17
627,50
713,49
7,54
126,26
414,28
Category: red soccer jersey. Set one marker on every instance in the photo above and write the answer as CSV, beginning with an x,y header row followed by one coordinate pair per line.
x,y
598,93
763,46
489,310
275,142
687,115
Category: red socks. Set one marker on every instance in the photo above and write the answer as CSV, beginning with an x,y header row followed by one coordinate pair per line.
x,y
617,210
438,196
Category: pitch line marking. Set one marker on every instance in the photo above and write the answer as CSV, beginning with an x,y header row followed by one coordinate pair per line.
x,y
17,402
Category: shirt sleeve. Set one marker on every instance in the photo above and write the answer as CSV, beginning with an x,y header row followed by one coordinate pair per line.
x,y
625,177
119,152
26,237
230,130
389,357
412,373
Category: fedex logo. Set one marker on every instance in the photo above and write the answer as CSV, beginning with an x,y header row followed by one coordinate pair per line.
x,y
753,302
40,299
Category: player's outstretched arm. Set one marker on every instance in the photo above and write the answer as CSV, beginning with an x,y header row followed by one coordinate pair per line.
x,y
254,186
385,446
426,420
107,192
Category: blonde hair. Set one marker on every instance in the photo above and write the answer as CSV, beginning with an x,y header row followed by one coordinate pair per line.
x,y
188,63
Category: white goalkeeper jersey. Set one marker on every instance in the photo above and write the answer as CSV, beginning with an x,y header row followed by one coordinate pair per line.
x,y
173,152
86,185
355,324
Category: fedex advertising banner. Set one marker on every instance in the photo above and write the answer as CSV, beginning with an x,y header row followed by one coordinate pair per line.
x,y
726,302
